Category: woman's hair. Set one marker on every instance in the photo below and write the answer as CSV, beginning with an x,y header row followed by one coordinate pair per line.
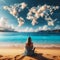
x,y
29,41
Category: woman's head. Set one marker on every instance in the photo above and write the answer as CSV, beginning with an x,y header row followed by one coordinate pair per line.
x,y
29,40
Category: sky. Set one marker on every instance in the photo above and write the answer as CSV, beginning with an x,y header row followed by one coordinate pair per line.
x,y
29,15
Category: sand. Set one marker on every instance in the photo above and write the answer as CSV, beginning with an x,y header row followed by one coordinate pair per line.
x,y
13,53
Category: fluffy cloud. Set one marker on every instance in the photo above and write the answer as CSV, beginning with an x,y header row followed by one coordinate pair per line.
x,y
20,21
42,11
30,29
3,22
50,23
57,27
5,25
45,27
23,5
15,10
26,29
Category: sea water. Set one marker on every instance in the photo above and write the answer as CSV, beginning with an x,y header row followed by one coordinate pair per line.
x,y
21,38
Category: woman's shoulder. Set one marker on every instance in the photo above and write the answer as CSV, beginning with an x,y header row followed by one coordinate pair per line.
x,y
26,44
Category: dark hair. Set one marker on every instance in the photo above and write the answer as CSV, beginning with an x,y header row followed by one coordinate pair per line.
x,y
29,40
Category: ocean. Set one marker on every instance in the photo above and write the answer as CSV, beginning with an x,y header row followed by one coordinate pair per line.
x,y
37,38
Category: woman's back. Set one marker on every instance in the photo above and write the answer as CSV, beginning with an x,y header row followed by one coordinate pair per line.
x,y
29,47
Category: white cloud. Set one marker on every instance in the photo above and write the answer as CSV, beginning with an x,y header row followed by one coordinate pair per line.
x,y
3,22
43,11
34,22
15,10
20,21
23,5
30,29
26,29
57,27
5,25
50,23
45,27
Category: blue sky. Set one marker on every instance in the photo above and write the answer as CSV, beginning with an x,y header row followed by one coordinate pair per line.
x,y
30,15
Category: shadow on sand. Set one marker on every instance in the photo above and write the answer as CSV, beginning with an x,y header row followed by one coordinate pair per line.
x,y
36,56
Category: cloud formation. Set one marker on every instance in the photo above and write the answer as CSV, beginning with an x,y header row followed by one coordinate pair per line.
x,y
15,10
43,11
5,25
20,21
57,27
30,29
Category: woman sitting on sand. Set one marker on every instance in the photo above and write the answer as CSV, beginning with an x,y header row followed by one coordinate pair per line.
x,y
29,49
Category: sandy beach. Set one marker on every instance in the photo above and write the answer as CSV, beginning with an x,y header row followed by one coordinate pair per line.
x,y
16,53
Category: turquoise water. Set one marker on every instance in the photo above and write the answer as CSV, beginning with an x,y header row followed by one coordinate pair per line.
x,y
22,37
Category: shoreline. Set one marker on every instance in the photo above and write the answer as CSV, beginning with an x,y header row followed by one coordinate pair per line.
x,y
43,51
21,45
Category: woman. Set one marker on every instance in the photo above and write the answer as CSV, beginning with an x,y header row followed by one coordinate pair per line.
x,y
29,49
